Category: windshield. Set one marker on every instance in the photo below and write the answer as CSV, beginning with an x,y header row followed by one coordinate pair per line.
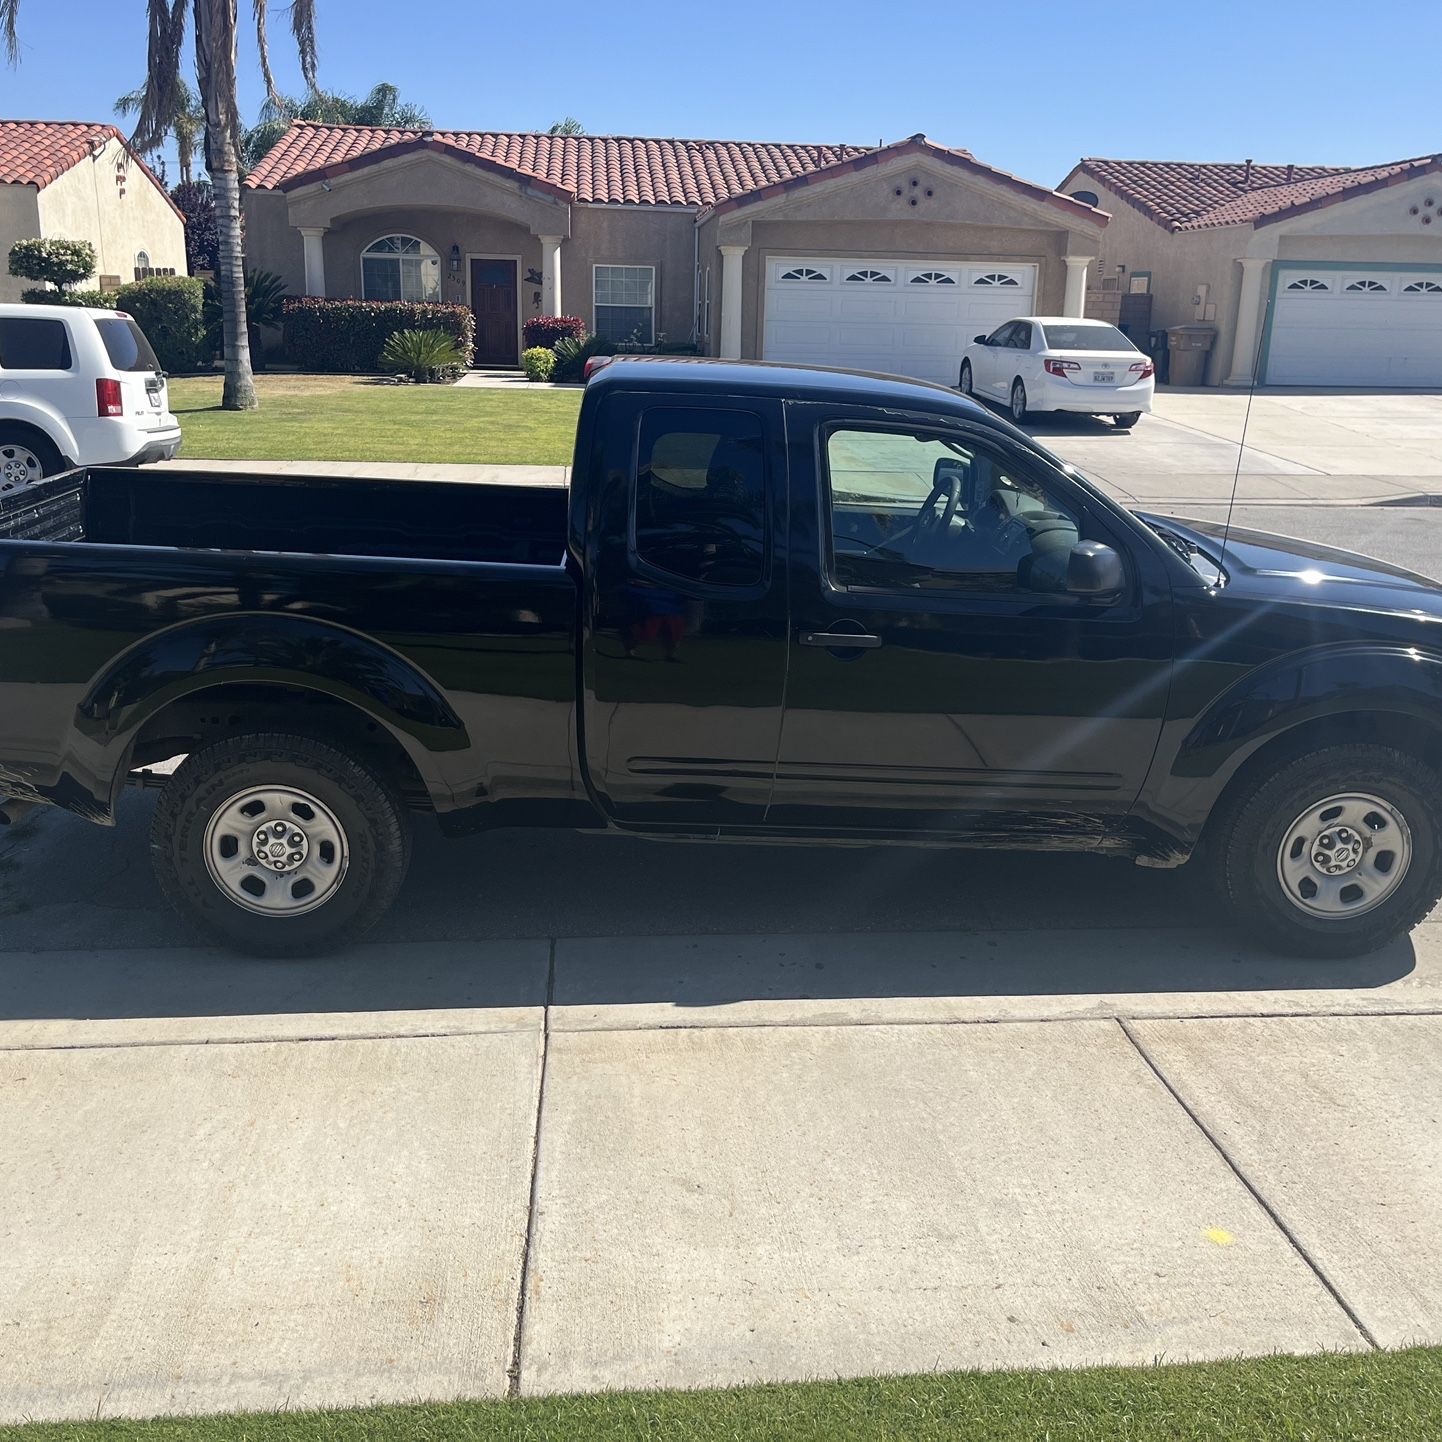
x,y
1085,337
126,345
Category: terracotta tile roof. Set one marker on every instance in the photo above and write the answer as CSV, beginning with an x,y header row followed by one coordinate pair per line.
x,y
35,152
38,152
918,145
1184,195
605,169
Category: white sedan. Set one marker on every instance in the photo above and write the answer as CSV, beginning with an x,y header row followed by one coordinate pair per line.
x,y
1059,363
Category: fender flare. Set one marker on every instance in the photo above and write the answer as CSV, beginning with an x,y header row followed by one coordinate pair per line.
x,y
45,419
264,648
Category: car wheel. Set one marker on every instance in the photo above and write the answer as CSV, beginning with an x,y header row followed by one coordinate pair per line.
x,y
1018,401
1127,421
26,457
964,386
279,845
1336,853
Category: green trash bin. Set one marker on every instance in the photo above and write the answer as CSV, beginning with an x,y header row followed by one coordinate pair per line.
x,y
1189,346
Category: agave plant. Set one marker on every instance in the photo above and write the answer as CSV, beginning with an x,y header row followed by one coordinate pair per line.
x,y
426,356
572,355
265,295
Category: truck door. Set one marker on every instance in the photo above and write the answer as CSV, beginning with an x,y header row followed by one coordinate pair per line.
x,y
941,677
684,619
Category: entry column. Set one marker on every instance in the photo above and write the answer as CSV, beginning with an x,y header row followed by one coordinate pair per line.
x,y
1074,302
312,238
551,274
1249,306
731,301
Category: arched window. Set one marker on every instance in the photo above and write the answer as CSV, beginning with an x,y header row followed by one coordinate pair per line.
x,y
1308,282
868,277
803,272
1087,197
1368,287
142,260
1422,287
996,277
400,267
933,277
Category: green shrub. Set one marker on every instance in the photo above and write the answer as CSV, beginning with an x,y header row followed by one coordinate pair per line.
x,y
61,263
426,356
170,309
572,355
546,330
539,363
349,335
94,299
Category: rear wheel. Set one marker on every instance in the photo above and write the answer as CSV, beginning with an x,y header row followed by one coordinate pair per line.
x,y
1018,401
1335,854
279,845
25,457
1127,421
964,386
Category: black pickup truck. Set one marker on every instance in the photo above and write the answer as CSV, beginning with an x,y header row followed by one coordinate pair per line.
x,y
775,604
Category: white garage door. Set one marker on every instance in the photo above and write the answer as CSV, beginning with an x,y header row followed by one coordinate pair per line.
x,y
907,318
1361,328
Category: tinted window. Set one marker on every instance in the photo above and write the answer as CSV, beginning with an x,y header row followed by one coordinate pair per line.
x,y
890,494
1021,336
34,345
1085,337
701,495
1002,334
126,345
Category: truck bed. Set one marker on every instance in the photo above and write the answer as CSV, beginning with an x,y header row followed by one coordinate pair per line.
x,y
318,515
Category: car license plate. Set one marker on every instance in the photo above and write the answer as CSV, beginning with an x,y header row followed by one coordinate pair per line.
x,y
1104,378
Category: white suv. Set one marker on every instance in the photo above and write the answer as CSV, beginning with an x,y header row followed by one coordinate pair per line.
x,y
78,387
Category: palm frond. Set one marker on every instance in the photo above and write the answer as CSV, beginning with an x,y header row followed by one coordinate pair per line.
x,y
9,27
162,73
302,25
262,44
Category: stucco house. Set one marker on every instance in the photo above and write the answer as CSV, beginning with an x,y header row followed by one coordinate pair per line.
x,y
889,257
75,180
1311,274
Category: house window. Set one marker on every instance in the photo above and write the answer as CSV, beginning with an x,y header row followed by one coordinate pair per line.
x,y
1308,282
625,298
803,272
1422,287
1368,287
142,260
933,277
400,267
868,277
996,277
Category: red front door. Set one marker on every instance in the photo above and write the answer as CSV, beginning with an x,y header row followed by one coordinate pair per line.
x,y
493,303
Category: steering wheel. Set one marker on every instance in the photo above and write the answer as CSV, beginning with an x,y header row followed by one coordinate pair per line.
x,y
930,521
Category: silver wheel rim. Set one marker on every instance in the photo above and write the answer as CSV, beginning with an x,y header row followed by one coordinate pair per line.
x,y
966,380
276,851
1018,401
19,465
1344,856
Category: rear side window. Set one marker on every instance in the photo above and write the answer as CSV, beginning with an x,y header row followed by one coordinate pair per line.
x,y
126,345
34,345
700,503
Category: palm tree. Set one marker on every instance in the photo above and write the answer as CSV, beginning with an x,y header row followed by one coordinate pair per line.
x,y
216,26
382,106
569,126
187,125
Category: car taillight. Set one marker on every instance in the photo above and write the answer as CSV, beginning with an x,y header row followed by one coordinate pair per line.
x,y
595,364
1142,369
1060,367
108,401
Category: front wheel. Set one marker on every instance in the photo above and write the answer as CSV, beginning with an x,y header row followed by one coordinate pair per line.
x,y
279,845
1018,401
964,385
1336,854
1127,421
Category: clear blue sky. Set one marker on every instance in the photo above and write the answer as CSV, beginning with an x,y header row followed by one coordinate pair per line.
x,y
1027,86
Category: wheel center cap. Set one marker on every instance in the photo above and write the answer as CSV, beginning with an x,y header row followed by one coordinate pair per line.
x,y
15,472
281,846
1337,851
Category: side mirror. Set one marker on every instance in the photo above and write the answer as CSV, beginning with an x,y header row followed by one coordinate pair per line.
x,y
980,340
1094,570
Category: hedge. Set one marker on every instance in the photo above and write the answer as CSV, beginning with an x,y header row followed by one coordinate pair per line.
x,y
546,330
170,309
349,335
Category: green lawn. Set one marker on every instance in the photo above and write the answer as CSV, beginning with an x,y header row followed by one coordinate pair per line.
x,y
1364,1397
355,418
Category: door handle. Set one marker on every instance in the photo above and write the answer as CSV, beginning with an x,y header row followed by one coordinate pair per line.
x,y
840,640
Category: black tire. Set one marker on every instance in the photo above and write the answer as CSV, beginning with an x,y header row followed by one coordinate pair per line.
x,y
964,380
1018,401
1246,835
17,443
1127,421
374,828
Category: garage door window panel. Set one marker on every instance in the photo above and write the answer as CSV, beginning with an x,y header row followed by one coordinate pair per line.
x,y
1310,284
1366,287
699,503
1422,287
625,304
923,511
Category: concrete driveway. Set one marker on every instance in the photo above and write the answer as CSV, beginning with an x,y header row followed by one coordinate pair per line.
x,y
1338,447
968,1110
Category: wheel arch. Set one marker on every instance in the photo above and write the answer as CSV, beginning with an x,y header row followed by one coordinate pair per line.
x,y
30,423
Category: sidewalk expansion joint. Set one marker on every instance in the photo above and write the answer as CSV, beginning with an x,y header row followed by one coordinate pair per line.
x,y
513,1369
435,1034
1278,1221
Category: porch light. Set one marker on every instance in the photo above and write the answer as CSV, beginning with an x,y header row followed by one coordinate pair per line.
x,y
455,260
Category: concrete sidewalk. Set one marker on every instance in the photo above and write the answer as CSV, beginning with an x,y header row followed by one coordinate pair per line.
x,y
424,1171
